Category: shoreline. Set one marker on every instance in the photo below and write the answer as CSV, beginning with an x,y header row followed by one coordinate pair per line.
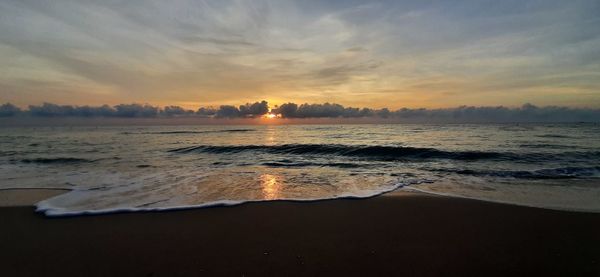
x,y
23,197
398,233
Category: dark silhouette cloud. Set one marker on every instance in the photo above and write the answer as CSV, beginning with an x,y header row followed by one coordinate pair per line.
x,y
287,110
136,110
206,111
48,110
104,110
228,111
175,111
53,110
525,113
9,109
255,109
292,110
320,110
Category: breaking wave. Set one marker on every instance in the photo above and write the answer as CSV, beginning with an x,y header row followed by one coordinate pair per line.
x,y
388,153
380,152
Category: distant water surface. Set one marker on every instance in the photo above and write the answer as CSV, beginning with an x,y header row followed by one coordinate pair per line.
x,y
155,168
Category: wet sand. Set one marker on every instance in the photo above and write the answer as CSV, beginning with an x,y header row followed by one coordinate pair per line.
x,y
26,197
400,234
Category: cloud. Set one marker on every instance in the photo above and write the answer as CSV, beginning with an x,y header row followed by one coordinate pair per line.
x,y
136,110
409,53
462,114
53,110
175,111
228,111
9,109
254,109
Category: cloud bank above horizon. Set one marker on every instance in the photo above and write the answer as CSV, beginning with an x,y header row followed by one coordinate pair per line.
x,y
377,54
307,113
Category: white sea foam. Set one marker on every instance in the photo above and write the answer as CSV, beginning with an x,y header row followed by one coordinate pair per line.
x,y
58,205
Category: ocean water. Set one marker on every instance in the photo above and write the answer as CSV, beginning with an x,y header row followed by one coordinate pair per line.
x,y
172,167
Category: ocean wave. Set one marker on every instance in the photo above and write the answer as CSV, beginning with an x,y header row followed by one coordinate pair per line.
x,y
303,164
364,151
551,173
554,136
544,146
59,160
189,132
386,153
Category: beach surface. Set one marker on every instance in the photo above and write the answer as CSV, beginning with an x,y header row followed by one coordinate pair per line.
x,y
399,233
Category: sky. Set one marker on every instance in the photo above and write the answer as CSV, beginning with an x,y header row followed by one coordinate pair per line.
x,y
393,54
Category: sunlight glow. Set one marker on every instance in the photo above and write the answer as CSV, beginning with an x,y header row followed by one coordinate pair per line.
x,y
271,186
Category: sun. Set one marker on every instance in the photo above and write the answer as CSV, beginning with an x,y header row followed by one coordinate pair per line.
x,y
270,115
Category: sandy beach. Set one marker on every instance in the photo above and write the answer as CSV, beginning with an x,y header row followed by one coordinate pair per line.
x,y
395,234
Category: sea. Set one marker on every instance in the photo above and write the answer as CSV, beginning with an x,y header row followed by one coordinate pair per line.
x,y
154,168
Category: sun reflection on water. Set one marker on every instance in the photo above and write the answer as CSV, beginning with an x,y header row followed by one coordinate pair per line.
x,y
271,186
270,135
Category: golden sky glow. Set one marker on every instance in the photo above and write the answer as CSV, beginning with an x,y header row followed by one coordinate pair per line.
x,y
376,54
